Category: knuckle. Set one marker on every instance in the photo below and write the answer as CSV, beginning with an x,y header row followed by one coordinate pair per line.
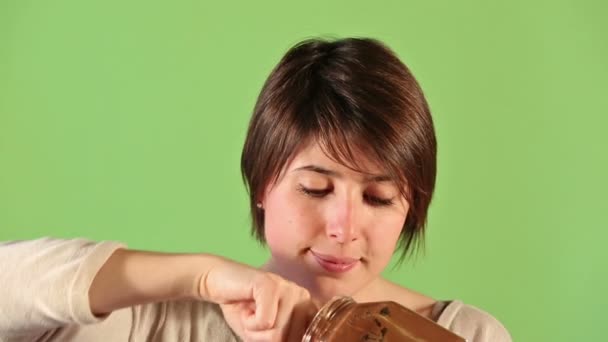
x,y
267,323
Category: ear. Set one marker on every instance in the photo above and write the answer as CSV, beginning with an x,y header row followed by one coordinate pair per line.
x,y
260,200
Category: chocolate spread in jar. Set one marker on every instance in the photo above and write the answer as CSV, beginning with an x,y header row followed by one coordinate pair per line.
x,y
344,320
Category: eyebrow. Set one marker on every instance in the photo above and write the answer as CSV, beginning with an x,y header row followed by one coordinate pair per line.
x,y
332,173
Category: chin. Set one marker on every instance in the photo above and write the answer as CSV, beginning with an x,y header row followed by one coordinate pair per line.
x,y
327,288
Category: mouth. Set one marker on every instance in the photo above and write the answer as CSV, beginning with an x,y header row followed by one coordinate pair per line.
x,y
335,264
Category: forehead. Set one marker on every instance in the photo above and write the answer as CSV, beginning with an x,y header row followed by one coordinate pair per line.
x,y
314,154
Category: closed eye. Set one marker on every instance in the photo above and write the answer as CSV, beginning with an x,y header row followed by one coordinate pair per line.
x,y
320,193
377,201
313,192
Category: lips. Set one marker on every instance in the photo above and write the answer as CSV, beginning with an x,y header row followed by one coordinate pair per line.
x,y
334,264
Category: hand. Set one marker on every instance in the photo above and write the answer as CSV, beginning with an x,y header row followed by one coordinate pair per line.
x,y
258,305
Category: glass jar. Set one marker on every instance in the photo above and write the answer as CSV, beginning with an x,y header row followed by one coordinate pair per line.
x,y
343,320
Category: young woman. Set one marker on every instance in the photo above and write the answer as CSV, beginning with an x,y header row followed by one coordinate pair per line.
x,y
340,164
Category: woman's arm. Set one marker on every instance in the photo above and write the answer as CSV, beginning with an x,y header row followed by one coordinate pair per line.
x,y
132,277
51,283
258,305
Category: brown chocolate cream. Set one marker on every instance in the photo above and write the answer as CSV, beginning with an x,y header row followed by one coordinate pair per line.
x,y
344,320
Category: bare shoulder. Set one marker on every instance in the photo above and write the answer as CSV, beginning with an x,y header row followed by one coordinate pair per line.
x,y
473,323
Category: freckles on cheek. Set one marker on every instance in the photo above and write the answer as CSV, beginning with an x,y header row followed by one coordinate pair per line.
x,y
278,223
288,225
387,233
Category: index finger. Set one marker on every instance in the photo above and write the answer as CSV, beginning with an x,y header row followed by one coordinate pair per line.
x,y
266,303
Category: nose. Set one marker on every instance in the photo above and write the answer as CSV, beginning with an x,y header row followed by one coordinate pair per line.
x,y
342,225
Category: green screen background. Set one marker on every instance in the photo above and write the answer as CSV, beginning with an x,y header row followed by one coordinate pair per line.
x,y
124,120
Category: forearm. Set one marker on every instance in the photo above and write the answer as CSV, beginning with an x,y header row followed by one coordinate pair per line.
x,y
136,277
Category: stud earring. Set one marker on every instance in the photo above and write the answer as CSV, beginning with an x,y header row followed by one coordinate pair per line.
x,y
259,205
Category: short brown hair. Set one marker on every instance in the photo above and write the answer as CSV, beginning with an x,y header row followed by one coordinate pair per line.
x,y
351,95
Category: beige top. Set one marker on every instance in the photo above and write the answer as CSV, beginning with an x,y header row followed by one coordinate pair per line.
x,y
44,287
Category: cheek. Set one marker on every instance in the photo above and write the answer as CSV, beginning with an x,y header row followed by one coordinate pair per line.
x,y
383,239
287,221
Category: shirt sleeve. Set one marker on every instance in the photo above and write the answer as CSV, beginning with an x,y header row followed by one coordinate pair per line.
x,y
473,324
45,284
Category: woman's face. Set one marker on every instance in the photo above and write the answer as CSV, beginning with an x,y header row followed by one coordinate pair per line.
x,y
329,228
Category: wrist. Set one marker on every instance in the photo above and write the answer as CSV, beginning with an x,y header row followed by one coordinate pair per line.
x,y
199,283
